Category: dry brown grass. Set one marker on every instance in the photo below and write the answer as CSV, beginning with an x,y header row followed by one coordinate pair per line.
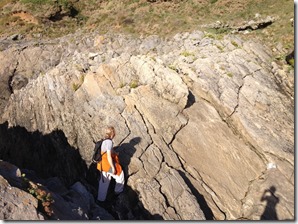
x,y
164,18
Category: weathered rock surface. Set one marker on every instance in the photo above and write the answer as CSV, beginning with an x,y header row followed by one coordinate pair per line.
x,y
15,204
74,203
195,116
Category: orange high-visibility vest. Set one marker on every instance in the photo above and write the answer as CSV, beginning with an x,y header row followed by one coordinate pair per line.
x,y
104,164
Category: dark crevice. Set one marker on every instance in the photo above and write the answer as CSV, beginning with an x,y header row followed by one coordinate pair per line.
x,y
72,12
42,157
258,26
166,198
200,198
10,83
11,78
238,95
190,100
290,58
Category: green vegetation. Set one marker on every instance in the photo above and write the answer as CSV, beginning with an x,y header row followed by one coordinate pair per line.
x,y
292,62
122,84
36,1
213,1
134,84
221,48
212,34
76,86
142,17
44,198
235,44
230,74
173,67
187,54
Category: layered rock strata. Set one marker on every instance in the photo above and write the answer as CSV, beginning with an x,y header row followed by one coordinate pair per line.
x,y
195,116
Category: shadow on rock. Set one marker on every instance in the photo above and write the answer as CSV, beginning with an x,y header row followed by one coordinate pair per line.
x,y
126,151
272,200
48,155
200,198
51,161
127,206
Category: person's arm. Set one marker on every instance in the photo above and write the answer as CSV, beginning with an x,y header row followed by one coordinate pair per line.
x,y
110,160
264,197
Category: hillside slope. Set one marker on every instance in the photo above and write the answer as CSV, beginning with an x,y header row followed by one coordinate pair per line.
x,y
52,18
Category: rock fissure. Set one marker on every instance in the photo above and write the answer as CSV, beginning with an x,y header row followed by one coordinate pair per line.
x,y
129,131
238,94
143,119
146,121
250,183
144,151
161,192
280,158
175,134
209,191
10,80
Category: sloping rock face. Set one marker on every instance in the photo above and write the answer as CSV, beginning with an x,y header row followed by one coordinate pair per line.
x,y
73,203
204,126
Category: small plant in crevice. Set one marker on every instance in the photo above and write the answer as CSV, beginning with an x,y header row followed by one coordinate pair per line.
x,y
134,84
235,44
187,54
221,48
44,197
153,59
292,62
173,68
215,34
76,86
230,74
82,78
121,85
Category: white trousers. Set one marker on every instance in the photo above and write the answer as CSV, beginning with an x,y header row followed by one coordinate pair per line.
x,y
104,182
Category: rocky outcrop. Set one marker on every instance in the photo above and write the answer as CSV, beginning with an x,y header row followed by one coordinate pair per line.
x,y
203,125
259,22
15,204
73,203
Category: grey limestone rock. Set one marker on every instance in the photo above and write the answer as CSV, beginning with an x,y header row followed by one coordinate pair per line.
x,y
192,114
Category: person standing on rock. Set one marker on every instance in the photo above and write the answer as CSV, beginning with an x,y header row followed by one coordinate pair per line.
x,y
109,166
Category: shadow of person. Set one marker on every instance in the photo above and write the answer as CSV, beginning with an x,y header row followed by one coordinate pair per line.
x,y
126,151
272,200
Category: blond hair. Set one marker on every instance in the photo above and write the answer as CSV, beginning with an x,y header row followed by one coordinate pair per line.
x,y
109,132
